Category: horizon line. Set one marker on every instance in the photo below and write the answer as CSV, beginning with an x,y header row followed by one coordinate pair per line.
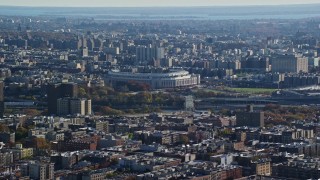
x,y
162,6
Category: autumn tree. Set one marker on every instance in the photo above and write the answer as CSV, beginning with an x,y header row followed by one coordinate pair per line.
x,y
4,128
32,112
41,143
184,139
106,110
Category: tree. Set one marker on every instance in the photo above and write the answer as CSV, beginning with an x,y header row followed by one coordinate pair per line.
x,y
130,135
32,112
82,92
21,133
130,178
185,139
272,107
225,112
110,175
138,86
109,111
41,143
142,98
114,161
4,128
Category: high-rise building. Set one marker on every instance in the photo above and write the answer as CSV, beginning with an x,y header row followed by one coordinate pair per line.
x,y
90,44
25,44
85,52
112,50
73,106
84,42
57,91
250,118
53,93
63,106
38,170
147,54
79,43
1,99
166,62
189,103
88,109
77,106
254,63
289,63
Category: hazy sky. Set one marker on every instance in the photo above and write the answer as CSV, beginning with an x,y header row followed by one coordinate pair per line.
x,y
130,3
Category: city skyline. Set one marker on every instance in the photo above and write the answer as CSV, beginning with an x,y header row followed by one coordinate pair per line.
x,y
146,89
149,3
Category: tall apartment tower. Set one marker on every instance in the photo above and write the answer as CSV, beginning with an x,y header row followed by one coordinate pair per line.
x,y
85,52
88,108
147,54
1,99
63,106
289,64
250,118
38,170
57,91
73,106
189,103
77,106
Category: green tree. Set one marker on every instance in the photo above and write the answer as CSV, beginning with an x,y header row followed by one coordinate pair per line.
x,y
130,135
144,98
21,133
82,92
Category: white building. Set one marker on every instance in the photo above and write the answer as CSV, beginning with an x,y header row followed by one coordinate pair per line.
x,y
189,104
171,79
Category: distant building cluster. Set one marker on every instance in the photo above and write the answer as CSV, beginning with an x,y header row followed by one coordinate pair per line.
x,y
158,97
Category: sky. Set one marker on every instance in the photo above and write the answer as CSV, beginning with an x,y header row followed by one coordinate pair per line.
x,y
148,3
